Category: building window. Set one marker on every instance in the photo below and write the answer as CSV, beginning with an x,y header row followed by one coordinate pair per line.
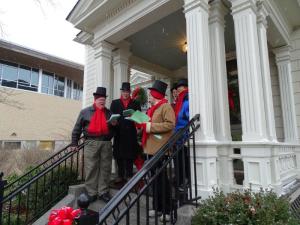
x,y
18,76
28,78
53,84
69,89
77,91
9,76
47,83
59,86
46,145
10,145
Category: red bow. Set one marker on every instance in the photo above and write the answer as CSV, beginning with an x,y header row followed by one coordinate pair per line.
x,y
63,216
135,92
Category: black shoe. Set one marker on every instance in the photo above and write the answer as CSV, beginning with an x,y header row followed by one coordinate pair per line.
x,y
105,197
92,198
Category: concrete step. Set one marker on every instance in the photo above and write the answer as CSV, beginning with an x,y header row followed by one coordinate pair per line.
x,y
184,214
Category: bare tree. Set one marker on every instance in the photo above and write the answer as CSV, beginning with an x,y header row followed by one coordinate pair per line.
x,y
6,98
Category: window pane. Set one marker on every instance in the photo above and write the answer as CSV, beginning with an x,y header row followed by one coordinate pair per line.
x,y
0,71
24,76
55,82
27,88
10,73
51,81
45,90
9,83
12,145
34,78
61,84
45,80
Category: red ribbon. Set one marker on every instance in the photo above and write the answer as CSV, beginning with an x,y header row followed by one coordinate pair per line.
x,y
63,216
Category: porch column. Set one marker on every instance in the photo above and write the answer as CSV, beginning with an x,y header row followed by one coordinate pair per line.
x,y
220,91
103,57
256,157
265,70
283,61
249,70
120,63
200,92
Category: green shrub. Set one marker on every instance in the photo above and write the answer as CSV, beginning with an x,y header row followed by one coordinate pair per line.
x,y
244,208
40,196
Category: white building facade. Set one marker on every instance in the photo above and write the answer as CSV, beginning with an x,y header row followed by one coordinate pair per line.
x,y
253,44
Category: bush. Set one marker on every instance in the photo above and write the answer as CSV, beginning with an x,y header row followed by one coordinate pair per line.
x,y
244,208
40,196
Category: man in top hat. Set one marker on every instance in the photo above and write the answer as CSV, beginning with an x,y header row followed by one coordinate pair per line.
x,y
155,134
92,122
125,145
174,95
182,119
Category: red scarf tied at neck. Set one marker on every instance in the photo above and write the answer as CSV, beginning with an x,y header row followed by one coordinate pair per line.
x,y
179,102
98,125
150,113
125,102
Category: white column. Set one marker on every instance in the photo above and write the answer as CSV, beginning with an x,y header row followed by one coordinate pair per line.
x,y
199,73
220,92
265,71
283,60
200,93
120,64
249,71
219,74
103,57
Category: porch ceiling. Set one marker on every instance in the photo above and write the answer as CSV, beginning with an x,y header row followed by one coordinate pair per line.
x,y
290,9
161,43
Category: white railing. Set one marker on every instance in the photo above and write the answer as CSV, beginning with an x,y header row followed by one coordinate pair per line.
x,y
279,158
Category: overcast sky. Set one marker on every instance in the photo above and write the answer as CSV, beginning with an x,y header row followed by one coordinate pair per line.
x,y
42,27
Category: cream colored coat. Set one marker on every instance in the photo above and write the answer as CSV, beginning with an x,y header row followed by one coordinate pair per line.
x,y
160,129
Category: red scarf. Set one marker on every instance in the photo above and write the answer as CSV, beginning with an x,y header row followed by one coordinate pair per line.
x,y
150,113
125,102
98,125
179,102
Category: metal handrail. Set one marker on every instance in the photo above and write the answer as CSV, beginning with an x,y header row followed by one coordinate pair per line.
x,y
30,191
118,198
43,165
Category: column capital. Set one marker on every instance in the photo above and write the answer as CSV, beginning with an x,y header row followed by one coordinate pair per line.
x,y
103,49
242,5
217,12
190,5
262,13
282,54
121,56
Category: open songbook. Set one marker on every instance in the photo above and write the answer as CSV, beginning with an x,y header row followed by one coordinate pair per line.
x,y
113,117
138,117
128,112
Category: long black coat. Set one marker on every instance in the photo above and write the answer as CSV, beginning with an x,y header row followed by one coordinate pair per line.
x,y
125,144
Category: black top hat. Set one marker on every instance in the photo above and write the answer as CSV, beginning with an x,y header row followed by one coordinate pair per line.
x,y
125,86
174,86
159,86
101,91
182,82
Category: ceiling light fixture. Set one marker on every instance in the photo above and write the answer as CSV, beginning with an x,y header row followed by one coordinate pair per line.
x,y
185,47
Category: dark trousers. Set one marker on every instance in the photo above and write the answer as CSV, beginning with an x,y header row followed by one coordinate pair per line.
x,y
125,168
161,191
182,165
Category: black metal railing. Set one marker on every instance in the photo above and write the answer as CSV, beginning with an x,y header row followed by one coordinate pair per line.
x,y
168,179
27,198
295,207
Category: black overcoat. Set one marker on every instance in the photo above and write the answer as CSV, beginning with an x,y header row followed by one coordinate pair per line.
x,y
125,145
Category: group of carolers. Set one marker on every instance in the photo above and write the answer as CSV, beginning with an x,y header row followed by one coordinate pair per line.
x,y
92,122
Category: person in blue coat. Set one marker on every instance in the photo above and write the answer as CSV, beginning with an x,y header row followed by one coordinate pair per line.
x,y
182,119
